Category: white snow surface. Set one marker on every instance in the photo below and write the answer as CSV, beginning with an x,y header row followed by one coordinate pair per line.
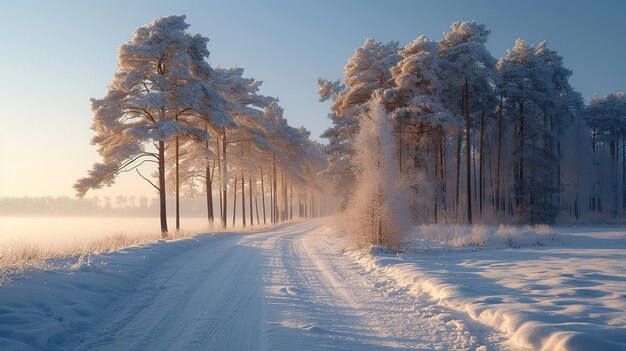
x,y
293,287
567,295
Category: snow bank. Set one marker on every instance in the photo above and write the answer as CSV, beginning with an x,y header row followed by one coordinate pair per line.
x,y
40,309
546,298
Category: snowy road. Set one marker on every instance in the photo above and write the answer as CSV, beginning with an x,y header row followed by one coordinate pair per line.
x,y
285,288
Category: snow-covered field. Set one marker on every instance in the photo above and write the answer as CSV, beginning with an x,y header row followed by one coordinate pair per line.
x,y
564,290
295,287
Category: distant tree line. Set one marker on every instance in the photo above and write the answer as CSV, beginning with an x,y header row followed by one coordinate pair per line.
x,y
118,206
479,139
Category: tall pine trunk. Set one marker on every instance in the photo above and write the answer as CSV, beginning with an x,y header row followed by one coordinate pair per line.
x,y
263,196
208,177
209,193
623,174
271,201
442,167
458,175
224,179
498,161
436,170
275,195
481,165
243,200
251,213
219,171
235,200
177,185
285,202
468,152
522,189
162,204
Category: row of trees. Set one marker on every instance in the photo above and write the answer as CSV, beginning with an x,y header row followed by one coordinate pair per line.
x,y
207,130
479,138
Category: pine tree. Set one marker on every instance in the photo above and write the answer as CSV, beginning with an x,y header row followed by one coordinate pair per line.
x,y
366,71
153,92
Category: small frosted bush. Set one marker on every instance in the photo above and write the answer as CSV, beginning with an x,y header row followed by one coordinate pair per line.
x,y
538,235
455,235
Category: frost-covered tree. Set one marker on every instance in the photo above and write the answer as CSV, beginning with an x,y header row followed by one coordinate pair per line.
x,y
154,96
421,120
469,66
209,162
366,71
562,112
528,87
378,212
606,117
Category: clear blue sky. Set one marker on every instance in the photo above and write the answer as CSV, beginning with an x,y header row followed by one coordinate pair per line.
x,y
55,55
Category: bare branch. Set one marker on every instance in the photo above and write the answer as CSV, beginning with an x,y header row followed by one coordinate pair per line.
x,y
147,180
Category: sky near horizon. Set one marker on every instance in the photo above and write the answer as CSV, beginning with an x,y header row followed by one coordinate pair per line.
x,y
57,55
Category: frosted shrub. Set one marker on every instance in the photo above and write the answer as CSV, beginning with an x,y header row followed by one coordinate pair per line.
x,y
478,236
437,232
538,235
543,229
455,235
377,213
507,235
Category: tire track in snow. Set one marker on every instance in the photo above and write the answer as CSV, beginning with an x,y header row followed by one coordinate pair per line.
x,y
282,288
189,302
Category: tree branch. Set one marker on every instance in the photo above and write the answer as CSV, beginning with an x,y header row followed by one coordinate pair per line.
x,y
148,180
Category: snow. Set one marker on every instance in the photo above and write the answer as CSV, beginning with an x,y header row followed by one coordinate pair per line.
x,y
565,296
285,288
295,287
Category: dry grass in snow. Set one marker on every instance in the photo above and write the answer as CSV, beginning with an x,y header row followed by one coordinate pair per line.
x,y
17,256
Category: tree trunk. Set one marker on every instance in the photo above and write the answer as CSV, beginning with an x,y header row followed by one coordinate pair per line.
x,y
436,170
468,152
623,175
498,164
224,178
177,185
263,195
243,200
162,204
442,167
614,174
290,201
482,165
235,200
400,148
577,203
219,171
285,202
251,214
208,177
275,195
522,189
209,193
458,175
306,206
